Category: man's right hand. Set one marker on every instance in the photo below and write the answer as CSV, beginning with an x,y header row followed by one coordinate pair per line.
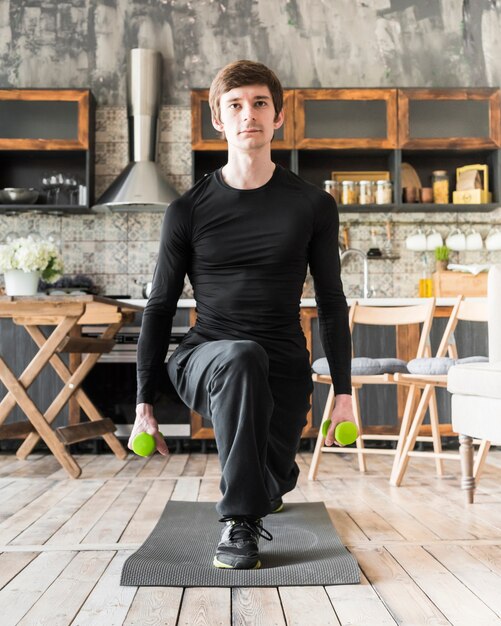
x,y
146,423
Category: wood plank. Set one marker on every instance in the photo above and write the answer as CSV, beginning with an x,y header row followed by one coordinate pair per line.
x,y
186,489
77,527
63,599
349,531
195,465
85,430
25,496
22,519
209,490
108,603
49,523
306,605
112,524
359,604
148,512
155,605
16,430
11,563
479,578
459,605
205,606
403,598
82,459
155,466
175,466
132,466
21,593
259,606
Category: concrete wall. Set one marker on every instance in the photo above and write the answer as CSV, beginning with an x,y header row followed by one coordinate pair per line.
x,y
310,43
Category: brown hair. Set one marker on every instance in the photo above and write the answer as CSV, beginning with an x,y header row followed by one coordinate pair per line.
x,y
239,74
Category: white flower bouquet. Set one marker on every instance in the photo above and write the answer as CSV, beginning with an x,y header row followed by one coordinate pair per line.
x,y
30,255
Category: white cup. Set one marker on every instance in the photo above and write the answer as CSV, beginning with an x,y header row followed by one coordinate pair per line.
x,y
416,241
474,240
434,240
456,240
493,239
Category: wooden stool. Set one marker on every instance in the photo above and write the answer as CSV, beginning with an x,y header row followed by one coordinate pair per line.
x,y
66,313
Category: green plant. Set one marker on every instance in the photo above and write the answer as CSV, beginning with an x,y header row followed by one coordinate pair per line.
x,y
442,253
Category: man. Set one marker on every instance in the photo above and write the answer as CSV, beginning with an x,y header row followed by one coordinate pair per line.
x,y
245,235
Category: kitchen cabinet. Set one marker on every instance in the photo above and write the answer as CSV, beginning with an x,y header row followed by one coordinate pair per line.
x,y
44,133
367,130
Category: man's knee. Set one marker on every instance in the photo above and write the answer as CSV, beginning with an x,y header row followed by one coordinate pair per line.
x,y
244,353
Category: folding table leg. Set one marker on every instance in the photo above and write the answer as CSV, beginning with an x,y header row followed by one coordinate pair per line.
x,y
38,421
72,381
48,346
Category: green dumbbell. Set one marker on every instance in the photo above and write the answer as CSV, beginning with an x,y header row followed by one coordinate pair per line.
x,y
144,444
345,433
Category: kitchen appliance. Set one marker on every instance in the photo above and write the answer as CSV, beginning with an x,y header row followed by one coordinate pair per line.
x,y
141,186
111,385
18,195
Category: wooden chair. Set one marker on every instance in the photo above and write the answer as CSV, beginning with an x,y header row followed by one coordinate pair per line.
x,y
401,316
467,310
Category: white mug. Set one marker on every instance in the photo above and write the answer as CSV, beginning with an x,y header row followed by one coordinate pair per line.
x,y
416,241
456,240
474,240
434,240
493,239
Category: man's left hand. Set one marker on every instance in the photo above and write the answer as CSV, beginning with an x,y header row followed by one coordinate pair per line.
x,y
343,412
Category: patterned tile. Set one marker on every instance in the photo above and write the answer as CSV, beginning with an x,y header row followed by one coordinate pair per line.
x,y
111,124
175,124
93,257
102,227
111,157
142,257
111,284
175,158
144,226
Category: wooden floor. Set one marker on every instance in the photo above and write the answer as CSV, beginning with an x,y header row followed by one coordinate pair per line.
x,y
425,557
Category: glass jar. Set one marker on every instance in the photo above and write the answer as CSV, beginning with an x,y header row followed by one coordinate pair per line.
x,y
383,192
366,192
348,192
440,184
334,188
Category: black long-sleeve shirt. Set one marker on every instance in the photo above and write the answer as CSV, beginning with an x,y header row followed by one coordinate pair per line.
x,y
246,253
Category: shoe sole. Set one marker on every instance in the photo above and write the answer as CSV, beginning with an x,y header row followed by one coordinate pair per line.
x,y
222,565
279,508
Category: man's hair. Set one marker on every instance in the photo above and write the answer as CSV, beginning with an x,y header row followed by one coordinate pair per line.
x,y
242,73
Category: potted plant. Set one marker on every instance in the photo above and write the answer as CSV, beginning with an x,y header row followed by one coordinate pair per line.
x,y
25,260
441,258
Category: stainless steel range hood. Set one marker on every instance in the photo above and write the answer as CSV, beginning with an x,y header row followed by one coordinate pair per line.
x,y
141,186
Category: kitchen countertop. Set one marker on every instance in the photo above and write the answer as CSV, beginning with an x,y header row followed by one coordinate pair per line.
x,y
189,303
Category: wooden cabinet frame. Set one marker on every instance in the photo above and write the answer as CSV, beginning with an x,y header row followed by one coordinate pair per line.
x,y
200,96
387,95
80,96
449,143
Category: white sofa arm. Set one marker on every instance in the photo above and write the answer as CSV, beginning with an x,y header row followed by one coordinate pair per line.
x,y
494,313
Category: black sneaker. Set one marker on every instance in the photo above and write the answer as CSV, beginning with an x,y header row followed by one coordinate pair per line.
x,y
277,505
238,548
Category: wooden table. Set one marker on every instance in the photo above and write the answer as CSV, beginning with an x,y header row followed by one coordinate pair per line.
x,y
67,314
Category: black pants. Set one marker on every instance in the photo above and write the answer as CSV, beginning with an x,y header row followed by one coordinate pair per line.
x,y
257,417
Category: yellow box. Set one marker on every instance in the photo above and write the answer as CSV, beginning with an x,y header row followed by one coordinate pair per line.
x,y
475,195
471,196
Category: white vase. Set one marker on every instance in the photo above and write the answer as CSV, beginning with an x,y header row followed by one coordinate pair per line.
x,y
19,283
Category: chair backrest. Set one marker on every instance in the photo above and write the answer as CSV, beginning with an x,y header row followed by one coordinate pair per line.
x,y
494,313
467,310
397,316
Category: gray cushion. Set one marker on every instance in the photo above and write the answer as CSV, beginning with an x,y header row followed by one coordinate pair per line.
x,y
392,366
364,366
439,365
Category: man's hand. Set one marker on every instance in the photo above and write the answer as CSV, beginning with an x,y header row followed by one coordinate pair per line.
x,y
343,412
146,423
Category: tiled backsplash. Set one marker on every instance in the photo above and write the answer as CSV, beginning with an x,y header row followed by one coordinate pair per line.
x,y
119,250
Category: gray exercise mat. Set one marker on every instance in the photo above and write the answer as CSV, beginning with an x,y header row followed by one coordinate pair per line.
x,y
305,550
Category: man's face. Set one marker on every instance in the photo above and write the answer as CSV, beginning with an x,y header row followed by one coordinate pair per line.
x,y
247,117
